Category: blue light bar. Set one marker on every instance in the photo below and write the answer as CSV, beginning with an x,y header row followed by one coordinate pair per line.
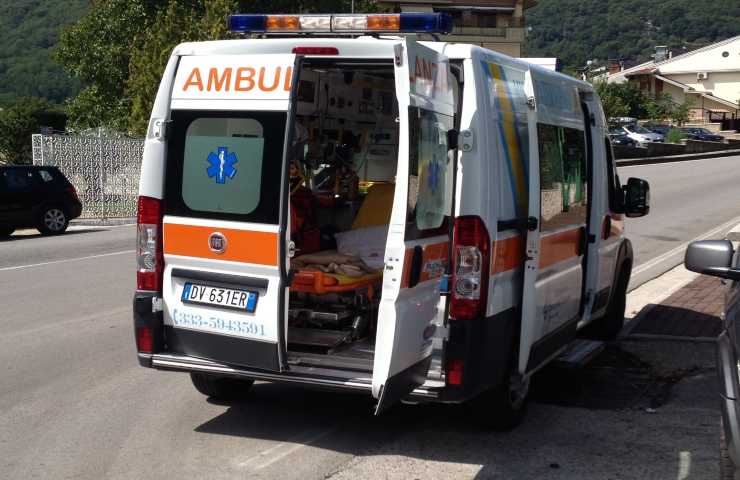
x,y
432,23
426,22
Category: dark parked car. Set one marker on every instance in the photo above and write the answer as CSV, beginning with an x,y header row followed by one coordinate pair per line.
x,y
717,258
618,137
697,133
36,197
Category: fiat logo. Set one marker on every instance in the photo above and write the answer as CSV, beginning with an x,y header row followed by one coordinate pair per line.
x,y
217,242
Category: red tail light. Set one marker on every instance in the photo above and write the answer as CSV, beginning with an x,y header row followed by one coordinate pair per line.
x,y
470,267
454,371
72,191
144,339
316,50
149,258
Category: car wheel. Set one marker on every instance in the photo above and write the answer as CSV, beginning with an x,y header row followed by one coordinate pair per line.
x,y
6,231
220,388
53,221
501,408
607,328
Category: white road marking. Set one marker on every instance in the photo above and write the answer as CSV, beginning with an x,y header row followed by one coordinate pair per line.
x,y
18,267
674,251
283,449
684,465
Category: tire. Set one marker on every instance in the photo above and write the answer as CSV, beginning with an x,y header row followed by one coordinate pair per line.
x,y
53,221
607,328
502,408
220,388
6,231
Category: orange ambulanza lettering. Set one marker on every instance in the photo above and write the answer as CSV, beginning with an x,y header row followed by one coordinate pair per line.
x,y
288,78
216,83
193,80
244,75
275,80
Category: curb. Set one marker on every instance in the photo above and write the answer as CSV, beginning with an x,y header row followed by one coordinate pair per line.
x,y
103,221
676,158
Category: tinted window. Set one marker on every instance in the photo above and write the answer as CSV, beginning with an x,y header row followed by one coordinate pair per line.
x,y
46,176
563,176
18,180
226,165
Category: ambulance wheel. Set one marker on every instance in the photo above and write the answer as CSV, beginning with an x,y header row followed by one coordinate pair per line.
x,y
607,328
502,408
220,388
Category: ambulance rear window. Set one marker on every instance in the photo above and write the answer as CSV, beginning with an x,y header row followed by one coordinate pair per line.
x,y
226,165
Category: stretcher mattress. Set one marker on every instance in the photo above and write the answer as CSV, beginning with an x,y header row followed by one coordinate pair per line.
x,y
314,281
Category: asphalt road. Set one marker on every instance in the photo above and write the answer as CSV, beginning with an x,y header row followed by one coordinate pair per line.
x,y
689,200
75,404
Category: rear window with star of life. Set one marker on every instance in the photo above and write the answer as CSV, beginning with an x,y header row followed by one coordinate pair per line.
x,y
222,168
225,167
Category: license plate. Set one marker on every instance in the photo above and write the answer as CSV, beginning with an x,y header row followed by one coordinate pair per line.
x,y
244,300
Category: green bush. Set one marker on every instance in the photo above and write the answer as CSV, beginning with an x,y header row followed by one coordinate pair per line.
x,y
674,135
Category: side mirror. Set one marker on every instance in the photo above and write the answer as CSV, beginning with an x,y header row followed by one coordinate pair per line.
x,y
711,257
636,198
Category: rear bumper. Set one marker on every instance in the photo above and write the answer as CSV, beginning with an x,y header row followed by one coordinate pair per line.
x,y
308,376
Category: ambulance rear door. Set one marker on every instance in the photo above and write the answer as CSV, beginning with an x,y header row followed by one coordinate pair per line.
x,y
225,223
418,241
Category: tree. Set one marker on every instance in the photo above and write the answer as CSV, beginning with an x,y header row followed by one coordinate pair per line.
x,y
660,107
681,112
152,48
20,121
612,102
97,50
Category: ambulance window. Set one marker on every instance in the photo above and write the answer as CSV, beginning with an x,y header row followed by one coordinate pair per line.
x,y
430,169
225,165
563,176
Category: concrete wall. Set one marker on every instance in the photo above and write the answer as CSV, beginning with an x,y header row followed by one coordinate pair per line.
x,y
668,149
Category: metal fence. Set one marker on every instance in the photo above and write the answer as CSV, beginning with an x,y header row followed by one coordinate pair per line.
x,y
105,171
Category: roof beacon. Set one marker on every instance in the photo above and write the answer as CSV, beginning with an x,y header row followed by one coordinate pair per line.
x,y
434,23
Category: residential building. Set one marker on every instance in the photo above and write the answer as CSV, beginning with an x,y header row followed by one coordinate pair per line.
x,y
708,77
494,24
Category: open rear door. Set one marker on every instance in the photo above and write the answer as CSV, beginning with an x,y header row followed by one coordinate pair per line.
x,y
418,241
225,222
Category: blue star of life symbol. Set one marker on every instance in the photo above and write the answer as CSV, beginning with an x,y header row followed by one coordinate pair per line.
x,y
222,164
433,175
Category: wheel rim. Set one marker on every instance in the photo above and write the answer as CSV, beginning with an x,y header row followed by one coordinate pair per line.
x,y
54,219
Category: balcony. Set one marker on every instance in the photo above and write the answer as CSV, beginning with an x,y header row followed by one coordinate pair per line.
x,y
480,31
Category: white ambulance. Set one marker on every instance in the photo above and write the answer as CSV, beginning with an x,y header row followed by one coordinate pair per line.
x,y
344,206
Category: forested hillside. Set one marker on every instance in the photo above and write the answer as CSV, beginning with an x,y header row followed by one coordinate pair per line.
x,y
578,30
29,29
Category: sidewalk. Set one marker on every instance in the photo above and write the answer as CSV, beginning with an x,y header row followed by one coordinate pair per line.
x,y
691,313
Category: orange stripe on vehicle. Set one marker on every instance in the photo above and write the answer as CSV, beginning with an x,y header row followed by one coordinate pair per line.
x,y
434,261
560,246
508,254
245,246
